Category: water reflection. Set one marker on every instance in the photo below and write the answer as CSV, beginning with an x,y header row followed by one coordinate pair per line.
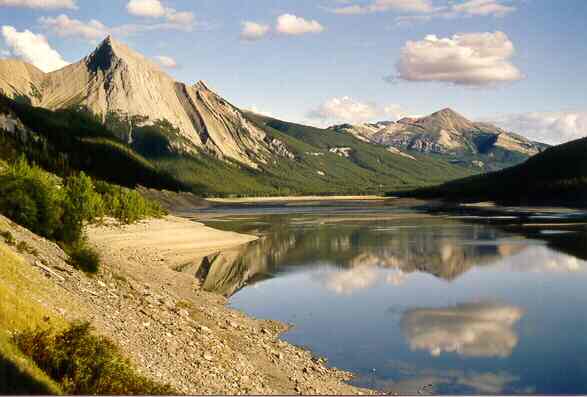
x,y
433,381
358,250
420,305
472,330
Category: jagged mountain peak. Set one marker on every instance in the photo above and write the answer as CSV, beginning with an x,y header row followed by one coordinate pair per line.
x,y
202,85
111,52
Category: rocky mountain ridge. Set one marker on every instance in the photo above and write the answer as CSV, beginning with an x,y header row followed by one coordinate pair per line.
x,y
447,133
118,83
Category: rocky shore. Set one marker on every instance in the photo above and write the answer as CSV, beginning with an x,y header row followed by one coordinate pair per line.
x,y
173,330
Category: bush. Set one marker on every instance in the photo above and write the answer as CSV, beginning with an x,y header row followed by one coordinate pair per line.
x,y
83,363
8,237
31,203
84,258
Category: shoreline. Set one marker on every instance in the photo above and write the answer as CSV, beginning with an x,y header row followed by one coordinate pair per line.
x,y
163,321
292,199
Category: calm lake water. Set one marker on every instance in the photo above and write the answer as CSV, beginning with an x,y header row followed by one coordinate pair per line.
x,y
419,304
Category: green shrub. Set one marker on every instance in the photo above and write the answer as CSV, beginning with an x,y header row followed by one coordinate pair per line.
x,y
83,363
31,203
84,258
8,237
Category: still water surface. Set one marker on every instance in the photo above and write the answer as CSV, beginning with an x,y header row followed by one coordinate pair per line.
x,y
419,304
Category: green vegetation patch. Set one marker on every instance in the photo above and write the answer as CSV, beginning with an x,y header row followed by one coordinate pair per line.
x,y
84,363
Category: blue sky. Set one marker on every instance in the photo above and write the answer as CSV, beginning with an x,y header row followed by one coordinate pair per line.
x,y
520,63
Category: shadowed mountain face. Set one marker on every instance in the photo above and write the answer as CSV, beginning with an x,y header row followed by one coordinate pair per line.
x,y
122,86
449,134
357,250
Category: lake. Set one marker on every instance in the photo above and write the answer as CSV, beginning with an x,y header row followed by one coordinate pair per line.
x,y
418,304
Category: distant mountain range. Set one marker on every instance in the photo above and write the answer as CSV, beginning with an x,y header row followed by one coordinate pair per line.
x,y
117,101
449,134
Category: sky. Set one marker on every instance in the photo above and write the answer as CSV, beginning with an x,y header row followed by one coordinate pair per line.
x,y
518,63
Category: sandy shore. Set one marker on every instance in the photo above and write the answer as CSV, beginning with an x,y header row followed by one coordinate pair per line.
x,y
172,240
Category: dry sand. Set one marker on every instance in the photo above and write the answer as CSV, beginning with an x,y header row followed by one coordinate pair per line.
x,y
174,239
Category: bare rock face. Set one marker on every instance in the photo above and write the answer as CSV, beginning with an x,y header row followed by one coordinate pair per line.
x,y
445,132
115,79
20,80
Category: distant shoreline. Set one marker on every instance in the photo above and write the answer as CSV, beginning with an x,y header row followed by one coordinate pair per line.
x,y
293,199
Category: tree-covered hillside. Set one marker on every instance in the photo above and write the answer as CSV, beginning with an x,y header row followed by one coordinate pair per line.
x,y
555,176
126,152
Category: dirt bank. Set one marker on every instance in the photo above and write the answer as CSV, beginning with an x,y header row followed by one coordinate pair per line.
x,y
175,332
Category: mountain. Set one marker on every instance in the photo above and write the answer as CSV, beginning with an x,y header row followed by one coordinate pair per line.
x,y
449,134
120,84
557,176
118,103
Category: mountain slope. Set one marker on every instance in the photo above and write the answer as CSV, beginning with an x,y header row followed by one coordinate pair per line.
x,y
557,176
118,83
451,135
115,111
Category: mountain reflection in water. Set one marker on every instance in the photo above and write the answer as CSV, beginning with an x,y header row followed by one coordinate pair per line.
x,y
357,250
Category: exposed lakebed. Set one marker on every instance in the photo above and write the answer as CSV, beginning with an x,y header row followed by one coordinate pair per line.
x,y
418,304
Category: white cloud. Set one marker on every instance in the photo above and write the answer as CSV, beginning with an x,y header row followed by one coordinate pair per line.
x,y
260,111
146,8
548,127
425,10
471,330
253,31
156,9
45,4
166,62
387,5
346,109
544,260
293,25
483,7
346,282
33,48
64,26
472,59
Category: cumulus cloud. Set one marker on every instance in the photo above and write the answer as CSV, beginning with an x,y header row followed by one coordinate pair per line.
x,y
64,26
32,48
471,59
471,330
156,9
166,62
146,8
347,110
290,24
548,127
348,281
44,4
253,31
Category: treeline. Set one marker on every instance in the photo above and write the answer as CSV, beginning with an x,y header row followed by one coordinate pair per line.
x,y
557,176
72,140
58,209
